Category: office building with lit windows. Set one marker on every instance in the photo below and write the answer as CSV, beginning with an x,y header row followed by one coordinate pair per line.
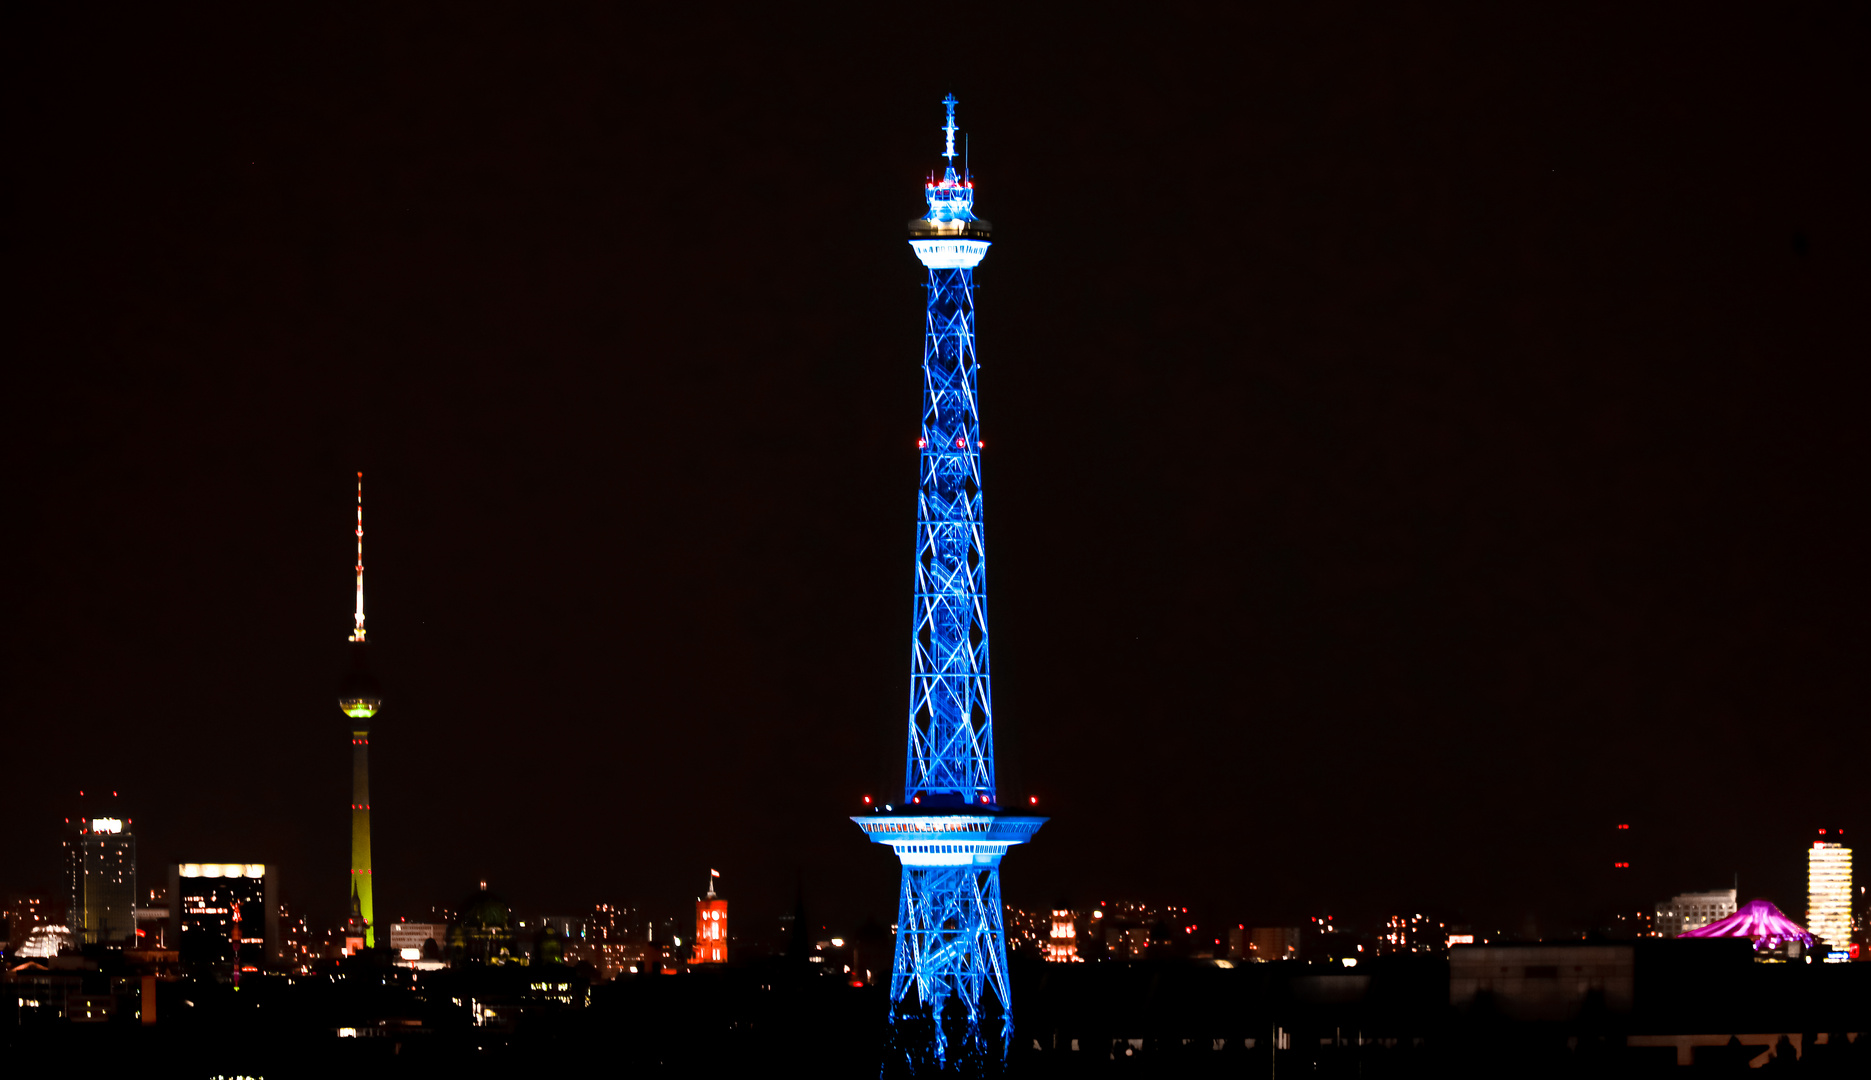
x,y
1062,941
407,937
1416,933
226,915
1829,890
614,942
711,927
1693,910
100,872
1265,944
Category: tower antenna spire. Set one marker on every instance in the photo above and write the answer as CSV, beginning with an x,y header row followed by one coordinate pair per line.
x,y
950,129
358,633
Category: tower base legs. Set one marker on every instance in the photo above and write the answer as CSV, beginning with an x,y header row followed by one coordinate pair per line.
x,y
950,1010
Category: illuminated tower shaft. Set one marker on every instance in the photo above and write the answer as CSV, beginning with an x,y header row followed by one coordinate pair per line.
x,y
360,831
951,944
951,720
360,702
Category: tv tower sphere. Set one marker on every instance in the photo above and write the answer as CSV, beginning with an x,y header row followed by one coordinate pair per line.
x,y
949,832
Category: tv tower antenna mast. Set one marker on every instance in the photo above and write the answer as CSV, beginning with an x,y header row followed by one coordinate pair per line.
x,y
950,831
357,635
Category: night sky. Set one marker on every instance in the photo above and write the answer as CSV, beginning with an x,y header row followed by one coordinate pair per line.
x,y
1417,441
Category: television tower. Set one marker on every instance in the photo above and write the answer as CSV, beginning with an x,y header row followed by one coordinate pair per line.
x,y
360,701
950,831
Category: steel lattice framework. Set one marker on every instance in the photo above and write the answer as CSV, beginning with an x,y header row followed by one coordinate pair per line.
x,y
951,716
950,834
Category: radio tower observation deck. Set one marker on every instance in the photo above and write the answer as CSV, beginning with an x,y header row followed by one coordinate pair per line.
x,y
950,830
360,699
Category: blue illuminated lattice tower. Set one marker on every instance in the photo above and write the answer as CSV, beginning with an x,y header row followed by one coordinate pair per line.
x,y
950,832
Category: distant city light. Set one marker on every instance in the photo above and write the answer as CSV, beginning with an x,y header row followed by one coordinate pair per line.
x,y
106,825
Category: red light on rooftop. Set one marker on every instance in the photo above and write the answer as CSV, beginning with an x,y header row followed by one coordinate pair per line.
x,y
867,800
1032,800
1624,826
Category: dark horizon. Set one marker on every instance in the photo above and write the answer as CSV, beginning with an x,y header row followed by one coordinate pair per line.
x,y
1416,443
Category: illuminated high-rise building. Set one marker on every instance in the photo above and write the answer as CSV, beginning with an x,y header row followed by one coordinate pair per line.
x,y
949,831
360,701
1829,890
1062,937
711,927
1692,911
100,870
226,915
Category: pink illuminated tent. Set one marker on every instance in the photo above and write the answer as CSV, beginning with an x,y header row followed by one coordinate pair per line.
x,y
1757,919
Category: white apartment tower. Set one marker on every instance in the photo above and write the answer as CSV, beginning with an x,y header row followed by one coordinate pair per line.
x,y
1829,890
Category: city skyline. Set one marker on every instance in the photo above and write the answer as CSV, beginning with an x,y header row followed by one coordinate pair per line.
x,y
1450,486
